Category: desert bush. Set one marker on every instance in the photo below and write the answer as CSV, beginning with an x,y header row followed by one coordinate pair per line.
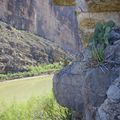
x,y
33,71
100,40
35,108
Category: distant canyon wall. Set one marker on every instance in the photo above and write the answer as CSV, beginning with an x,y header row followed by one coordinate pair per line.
x,y
56,23
64,26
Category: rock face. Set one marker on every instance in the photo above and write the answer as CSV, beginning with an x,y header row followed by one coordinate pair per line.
x,y
110,109
19,13
55,23
18,49
86,88
91,89
99,5
89,12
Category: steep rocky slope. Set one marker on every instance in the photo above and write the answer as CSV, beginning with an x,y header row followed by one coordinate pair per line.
x,y
42,17
19,49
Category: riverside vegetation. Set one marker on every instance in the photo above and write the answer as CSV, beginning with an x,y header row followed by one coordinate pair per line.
x,y
34,109
41,106
33,71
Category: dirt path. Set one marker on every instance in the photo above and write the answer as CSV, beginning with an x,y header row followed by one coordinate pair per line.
x,y
24,88
27,78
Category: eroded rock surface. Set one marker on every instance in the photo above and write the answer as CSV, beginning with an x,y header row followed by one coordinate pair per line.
x,y
110,109
83,88
42,17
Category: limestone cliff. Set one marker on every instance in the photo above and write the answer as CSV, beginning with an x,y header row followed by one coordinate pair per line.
x,y
56,23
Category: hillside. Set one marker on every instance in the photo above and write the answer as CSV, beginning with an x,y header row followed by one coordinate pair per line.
x,y
19,49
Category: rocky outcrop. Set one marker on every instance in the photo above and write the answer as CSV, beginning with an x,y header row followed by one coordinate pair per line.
x,y
18,49
89,12
42,17
91,89
82,86
99,5
110,109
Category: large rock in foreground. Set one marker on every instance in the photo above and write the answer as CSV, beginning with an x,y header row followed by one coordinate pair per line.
x,y
82,86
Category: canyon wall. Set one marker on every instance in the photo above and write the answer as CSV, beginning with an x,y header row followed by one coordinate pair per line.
x,y
59,23
56,23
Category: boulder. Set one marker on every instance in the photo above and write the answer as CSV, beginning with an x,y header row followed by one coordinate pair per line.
x,y
115,34
110,109
83,88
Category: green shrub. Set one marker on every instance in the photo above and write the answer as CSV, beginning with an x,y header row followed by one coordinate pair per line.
x,y
98,55
101,34
100,40
32,71
35,109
